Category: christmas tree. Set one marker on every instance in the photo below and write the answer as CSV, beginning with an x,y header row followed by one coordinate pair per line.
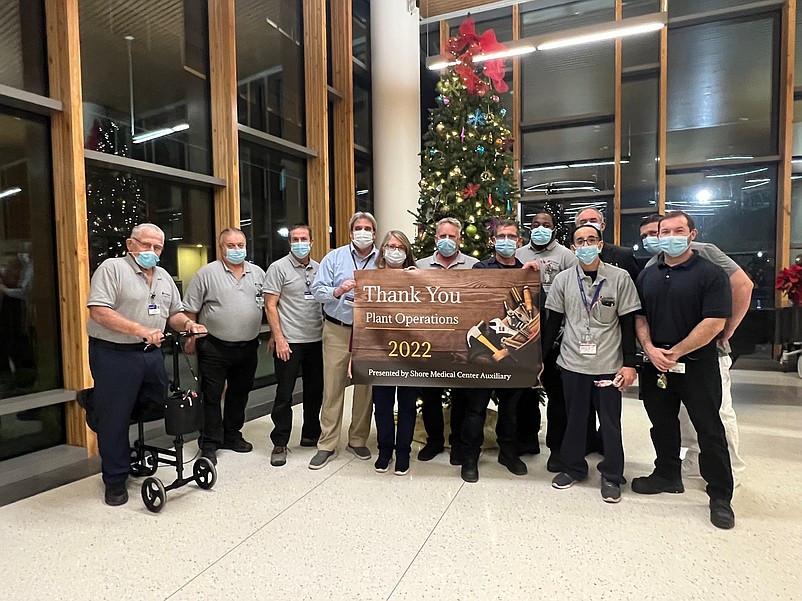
x,y
467,161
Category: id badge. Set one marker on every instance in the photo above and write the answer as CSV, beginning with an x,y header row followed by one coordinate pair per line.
x,y
587,348
349,298
153,309
678,368
308,295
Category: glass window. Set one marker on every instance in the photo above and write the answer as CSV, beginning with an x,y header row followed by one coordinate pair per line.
x,y
566,15
679,8
565,211
636,8
639,101
362,116
118,200
22,45
555,83
31,430
145,72
722,90
640,50
361,33
364,185
270,67
30,345
735,209
796,214
630,233
499,20
272,198
798,46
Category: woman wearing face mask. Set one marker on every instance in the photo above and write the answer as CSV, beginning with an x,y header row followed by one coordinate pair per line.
x,y
395,253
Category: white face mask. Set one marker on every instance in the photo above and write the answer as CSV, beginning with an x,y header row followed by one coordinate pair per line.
x,y
395,256
363,239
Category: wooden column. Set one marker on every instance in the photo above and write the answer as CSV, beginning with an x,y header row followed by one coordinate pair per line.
x,y
662,118
617,132
342,73
317,123
223,83
69,195
786,140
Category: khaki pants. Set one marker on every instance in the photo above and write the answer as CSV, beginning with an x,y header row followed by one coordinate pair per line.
x,y
335,379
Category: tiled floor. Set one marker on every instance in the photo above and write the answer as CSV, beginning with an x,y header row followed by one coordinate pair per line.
x,y
348,533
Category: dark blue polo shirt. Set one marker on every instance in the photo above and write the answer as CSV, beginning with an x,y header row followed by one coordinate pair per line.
x,y
492,263
676,299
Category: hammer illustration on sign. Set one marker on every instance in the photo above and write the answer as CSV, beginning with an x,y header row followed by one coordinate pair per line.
x,y
475,333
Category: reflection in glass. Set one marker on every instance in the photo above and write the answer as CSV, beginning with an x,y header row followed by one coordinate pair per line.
x,y
270,68
30,347
639,101
118,200
362,116
679,8
722,90
31,430
566,209
735,209
536,20
361,34
641,50
145,75
499,20
22,45
364,185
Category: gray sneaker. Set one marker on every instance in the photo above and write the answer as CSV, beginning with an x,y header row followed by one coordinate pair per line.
x,y
362,453
610,491
320,459
278,456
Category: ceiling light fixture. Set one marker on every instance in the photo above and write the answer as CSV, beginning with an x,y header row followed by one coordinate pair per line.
x,y
10,192
160,133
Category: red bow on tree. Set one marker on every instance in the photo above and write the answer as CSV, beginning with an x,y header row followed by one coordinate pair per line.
x,y
470,190
470,44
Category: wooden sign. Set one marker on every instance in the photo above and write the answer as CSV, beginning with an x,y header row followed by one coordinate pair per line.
x,y
454,329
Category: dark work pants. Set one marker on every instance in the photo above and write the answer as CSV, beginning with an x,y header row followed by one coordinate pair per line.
x,y
580,395
231,367
122,378
432,411
306,356
474,422
528,418
389,437
699,388
555,409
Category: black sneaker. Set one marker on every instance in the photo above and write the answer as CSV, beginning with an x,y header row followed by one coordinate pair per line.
x,y
210,454
308,442
116,494
554,464
401,465
470,471
455,456
514,464
610,491
654,484
531,448
563,480
238,446
382,463
429,452
721,514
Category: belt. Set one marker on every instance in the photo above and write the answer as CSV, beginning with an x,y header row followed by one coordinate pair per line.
x,y
211,338
117,346
336,322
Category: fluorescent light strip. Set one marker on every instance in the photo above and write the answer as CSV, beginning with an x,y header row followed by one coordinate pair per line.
x,y
160,133
754,186
614,31
517,51
546,168
737,174
732,158
10,192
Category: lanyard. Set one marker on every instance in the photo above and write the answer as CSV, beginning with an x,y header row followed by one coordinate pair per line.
x,y
367,259
588,307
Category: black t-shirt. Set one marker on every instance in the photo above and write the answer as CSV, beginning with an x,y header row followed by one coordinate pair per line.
x,y
676,299
492,263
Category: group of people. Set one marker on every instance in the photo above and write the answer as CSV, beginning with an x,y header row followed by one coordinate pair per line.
x,y
597,304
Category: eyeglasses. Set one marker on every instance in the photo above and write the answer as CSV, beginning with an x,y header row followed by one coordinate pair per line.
x,y
155,247
506,236
393,247
590,241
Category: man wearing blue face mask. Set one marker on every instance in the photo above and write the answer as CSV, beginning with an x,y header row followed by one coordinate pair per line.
x,y
227,297
296,326
130,302
686,301
448,235
597,303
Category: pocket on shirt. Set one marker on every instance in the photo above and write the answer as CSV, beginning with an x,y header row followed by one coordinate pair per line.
x,y
604,314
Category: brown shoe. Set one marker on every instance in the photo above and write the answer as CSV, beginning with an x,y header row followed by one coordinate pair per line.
x,y
278,456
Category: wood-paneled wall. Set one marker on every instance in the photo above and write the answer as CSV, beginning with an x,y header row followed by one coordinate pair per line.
x,y
69,192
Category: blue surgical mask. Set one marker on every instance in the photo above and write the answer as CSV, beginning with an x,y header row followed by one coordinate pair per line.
x,y
300,249
147,259
587,254
541,235
674,246
236,255
506,248
446,247
651,244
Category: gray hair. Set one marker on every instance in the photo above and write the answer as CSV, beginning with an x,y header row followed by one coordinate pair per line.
x,y
230,230
142,227
451,221
594,209
362,215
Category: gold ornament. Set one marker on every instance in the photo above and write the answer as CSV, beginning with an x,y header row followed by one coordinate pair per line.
x,y
499,141
486,176
440,127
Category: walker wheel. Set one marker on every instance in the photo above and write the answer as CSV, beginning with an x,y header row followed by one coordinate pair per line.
x,y
146,467
153,494
205,473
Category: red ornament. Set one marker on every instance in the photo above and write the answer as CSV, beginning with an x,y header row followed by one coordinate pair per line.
x,y
470,190
489,200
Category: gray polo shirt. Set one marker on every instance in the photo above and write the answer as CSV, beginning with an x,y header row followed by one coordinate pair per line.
x,y
121,285
301,316
230,308
461,262
552,259
620,297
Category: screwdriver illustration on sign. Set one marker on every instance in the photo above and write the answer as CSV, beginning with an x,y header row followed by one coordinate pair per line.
x,y
504,336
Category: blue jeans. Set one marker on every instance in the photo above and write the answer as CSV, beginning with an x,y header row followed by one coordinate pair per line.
x,y
387,436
